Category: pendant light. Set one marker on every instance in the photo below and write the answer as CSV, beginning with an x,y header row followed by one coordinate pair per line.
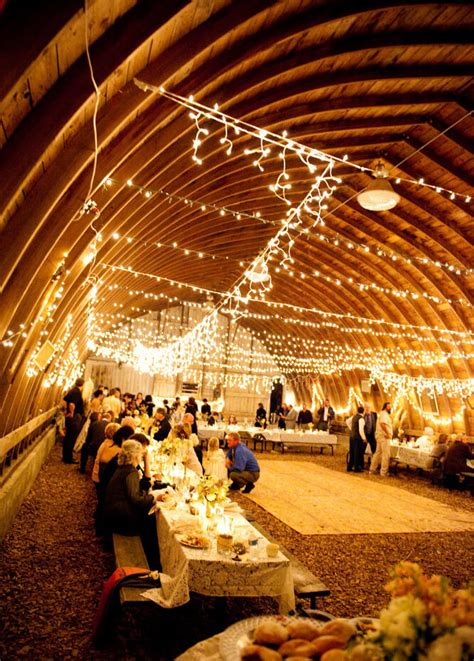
x,y
379,194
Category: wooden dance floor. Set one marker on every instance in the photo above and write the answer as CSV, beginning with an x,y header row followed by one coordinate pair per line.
x,y
314,500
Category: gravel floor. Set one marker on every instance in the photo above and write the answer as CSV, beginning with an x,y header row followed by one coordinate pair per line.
x,y
53,569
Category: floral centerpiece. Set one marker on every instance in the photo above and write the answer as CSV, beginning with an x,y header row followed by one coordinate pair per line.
x,y
212,491
426,619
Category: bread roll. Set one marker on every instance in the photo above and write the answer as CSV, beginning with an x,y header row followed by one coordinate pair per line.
x,y
301,629
333,655
259,653
342,629
298,647
325,643
271,633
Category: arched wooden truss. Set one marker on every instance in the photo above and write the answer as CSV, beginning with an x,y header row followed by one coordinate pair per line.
x,y
370,79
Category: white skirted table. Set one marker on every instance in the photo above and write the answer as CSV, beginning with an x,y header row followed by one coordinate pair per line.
x,y
206,572
411,456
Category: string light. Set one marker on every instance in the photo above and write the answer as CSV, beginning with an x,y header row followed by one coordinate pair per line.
x,y
459,388
337,240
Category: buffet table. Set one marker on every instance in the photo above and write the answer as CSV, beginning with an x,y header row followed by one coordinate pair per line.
x,y
206,572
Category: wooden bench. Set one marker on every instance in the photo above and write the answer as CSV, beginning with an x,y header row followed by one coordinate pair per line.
x,y
129,553
306,584
286,444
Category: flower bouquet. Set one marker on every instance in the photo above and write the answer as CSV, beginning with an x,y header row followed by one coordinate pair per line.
x,y
426,619
212,491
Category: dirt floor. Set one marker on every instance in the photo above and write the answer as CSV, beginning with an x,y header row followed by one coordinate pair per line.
x,y
53,568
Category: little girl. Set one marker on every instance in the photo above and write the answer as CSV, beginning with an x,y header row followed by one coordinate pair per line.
x,y
214,461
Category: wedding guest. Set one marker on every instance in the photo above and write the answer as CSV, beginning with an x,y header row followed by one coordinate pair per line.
x,y
94,418
325,416
167,408
370,418
183,433
129,421
191,407
383,436
232,420
261,416
96,402
205,408
138,400
458,454
149,405
113,403
106,452
281,413
437,458
190,423
426,441
290,417
357,441
213,419
305,418
96,433
126,507
214,460
74,405
243,467
143,467
163,425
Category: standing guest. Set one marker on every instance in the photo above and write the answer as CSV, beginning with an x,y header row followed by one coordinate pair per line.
x,y
74,418
191,407
205,408
261,416
149,405
163,424
243,467
214,461
325,416
383,436
113,403
190,423
357,441
290,417
128,406
370,418
96,402
458,454
96,433
177,413
281,412
305,418
94,418
126,507
167,408
187,440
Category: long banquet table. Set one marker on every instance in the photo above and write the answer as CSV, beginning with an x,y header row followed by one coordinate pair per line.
x,y
281,438
404,454
206,572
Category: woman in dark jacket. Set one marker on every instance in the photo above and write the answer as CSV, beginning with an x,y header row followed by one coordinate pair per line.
x,y
126,506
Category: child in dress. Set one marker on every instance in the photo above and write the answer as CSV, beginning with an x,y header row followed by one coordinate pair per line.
x,y
214,461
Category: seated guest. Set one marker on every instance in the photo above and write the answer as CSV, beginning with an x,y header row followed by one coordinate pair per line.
x,y
214,461
143,467
126,506
243,467
189,423
305,418
163,425
437,457
213,419
106,452
426,441
457,455
129,421
232,420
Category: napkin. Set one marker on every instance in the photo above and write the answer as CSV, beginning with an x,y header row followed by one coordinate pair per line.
x,y
232,508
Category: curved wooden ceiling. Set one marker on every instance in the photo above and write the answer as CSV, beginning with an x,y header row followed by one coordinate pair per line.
x,y
382,80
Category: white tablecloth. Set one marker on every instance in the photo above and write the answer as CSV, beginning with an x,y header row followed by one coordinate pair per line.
x,y
411,456
206,572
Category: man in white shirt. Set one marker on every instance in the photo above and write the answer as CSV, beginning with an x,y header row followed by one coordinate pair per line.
x,y
383,436
113,403
357,441
325,416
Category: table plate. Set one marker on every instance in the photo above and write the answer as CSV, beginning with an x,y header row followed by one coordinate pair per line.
x,y
193,541
238,635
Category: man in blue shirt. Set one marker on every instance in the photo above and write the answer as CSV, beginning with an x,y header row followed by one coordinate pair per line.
x,y
244,470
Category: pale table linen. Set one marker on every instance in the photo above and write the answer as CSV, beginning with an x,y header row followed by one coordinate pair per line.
x,y
411,456
206,572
